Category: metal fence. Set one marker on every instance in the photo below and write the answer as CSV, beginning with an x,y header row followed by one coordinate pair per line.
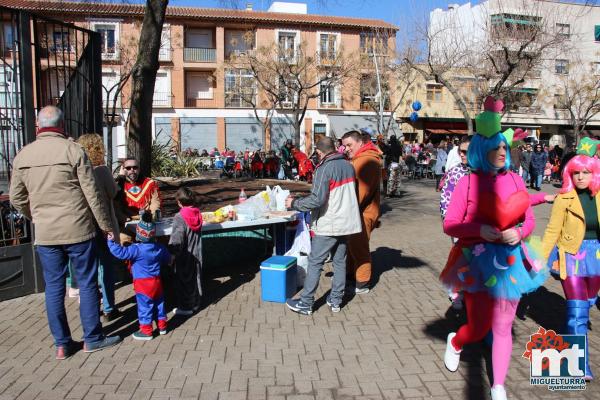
x,y
42,62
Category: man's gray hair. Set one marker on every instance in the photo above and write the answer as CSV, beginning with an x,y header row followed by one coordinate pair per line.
x,y
50,117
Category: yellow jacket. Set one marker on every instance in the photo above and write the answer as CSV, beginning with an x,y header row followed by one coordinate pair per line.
x,y
566,228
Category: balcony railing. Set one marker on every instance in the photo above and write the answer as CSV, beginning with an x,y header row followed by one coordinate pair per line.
x,y
110,54
527,110
161,99
164,55
199,54
240,53
335,105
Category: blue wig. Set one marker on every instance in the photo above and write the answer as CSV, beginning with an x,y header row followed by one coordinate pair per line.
x,y
479,148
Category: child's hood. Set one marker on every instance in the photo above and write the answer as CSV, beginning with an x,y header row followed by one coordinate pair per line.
x,y
192,217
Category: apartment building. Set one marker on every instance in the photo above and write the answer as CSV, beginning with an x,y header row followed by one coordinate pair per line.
x,y
541,107
193,100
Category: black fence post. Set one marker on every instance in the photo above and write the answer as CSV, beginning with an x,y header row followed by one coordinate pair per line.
x,y
26,75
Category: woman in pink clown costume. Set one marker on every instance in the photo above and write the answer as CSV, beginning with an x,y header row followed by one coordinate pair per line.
x,y
491,215
571,241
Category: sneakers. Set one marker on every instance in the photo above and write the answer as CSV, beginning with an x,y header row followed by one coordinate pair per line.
x,y
296,305
498,392
162,332
105,343
457,301
65,351
362,290
73,292
139,335
451,357
334,307
182,312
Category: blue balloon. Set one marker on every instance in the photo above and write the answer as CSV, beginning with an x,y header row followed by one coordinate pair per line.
x,y
414,116
416,105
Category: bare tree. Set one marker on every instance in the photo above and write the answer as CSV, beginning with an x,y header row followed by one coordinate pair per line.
x,y
385,79
243,89
576,97
289,79
499,52
113,89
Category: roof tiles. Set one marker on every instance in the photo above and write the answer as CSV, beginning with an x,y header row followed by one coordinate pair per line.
x,y
229,15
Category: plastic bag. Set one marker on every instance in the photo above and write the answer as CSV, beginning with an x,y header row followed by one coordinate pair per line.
x,y
272,204
280,196
301,249
253,208
281,174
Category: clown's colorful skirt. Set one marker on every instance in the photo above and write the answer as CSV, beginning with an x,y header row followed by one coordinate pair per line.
x,y
585,263
504,271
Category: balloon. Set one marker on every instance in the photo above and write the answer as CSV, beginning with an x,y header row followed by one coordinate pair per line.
x,y
416,105
414,116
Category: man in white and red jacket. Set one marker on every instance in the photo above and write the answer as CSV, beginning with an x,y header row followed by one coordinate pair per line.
x,y
334,215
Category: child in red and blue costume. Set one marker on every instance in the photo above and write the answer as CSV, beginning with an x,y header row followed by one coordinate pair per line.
x,y
146,258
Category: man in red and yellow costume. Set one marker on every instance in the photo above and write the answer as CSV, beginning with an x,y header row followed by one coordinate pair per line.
x,y
136,193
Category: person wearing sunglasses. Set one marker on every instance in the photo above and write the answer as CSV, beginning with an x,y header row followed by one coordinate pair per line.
x,y
136,192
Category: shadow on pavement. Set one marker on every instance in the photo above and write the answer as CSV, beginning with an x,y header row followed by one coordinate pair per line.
x,y
546,308
472,357
217,284
386,258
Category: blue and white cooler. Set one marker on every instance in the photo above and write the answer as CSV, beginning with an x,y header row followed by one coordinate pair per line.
x,y
278,278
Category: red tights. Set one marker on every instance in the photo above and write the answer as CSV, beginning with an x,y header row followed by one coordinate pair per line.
x,y
479,319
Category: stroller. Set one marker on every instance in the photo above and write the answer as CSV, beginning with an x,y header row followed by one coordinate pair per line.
x,y
231,168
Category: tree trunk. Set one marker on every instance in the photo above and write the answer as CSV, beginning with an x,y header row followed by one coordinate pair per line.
x,y
144,76
459,100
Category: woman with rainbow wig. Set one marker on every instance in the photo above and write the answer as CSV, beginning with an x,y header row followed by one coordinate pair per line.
x,y
571,241
490,214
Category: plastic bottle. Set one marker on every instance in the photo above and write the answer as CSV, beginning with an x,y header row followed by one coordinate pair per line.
x,y
242,197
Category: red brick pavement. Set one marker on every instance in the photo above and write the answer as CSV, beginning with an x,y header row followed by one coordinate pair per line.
x,y
387,344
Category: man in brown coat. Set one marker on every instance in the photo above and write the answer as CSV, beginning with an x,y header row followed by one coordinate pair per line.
x,y
53,186
367,161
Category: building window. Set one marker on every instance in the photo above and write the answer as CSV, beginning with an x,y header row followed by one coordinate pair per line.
x,y
199,86
240,88
162,90
110,80
238,42
597,33
467,89
328,95
560,102
8,36
371,41
108,39
514,26
287,46
320,129
164,53
523,99
287,92
563,31
60,42
434,92
327,47
561,67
